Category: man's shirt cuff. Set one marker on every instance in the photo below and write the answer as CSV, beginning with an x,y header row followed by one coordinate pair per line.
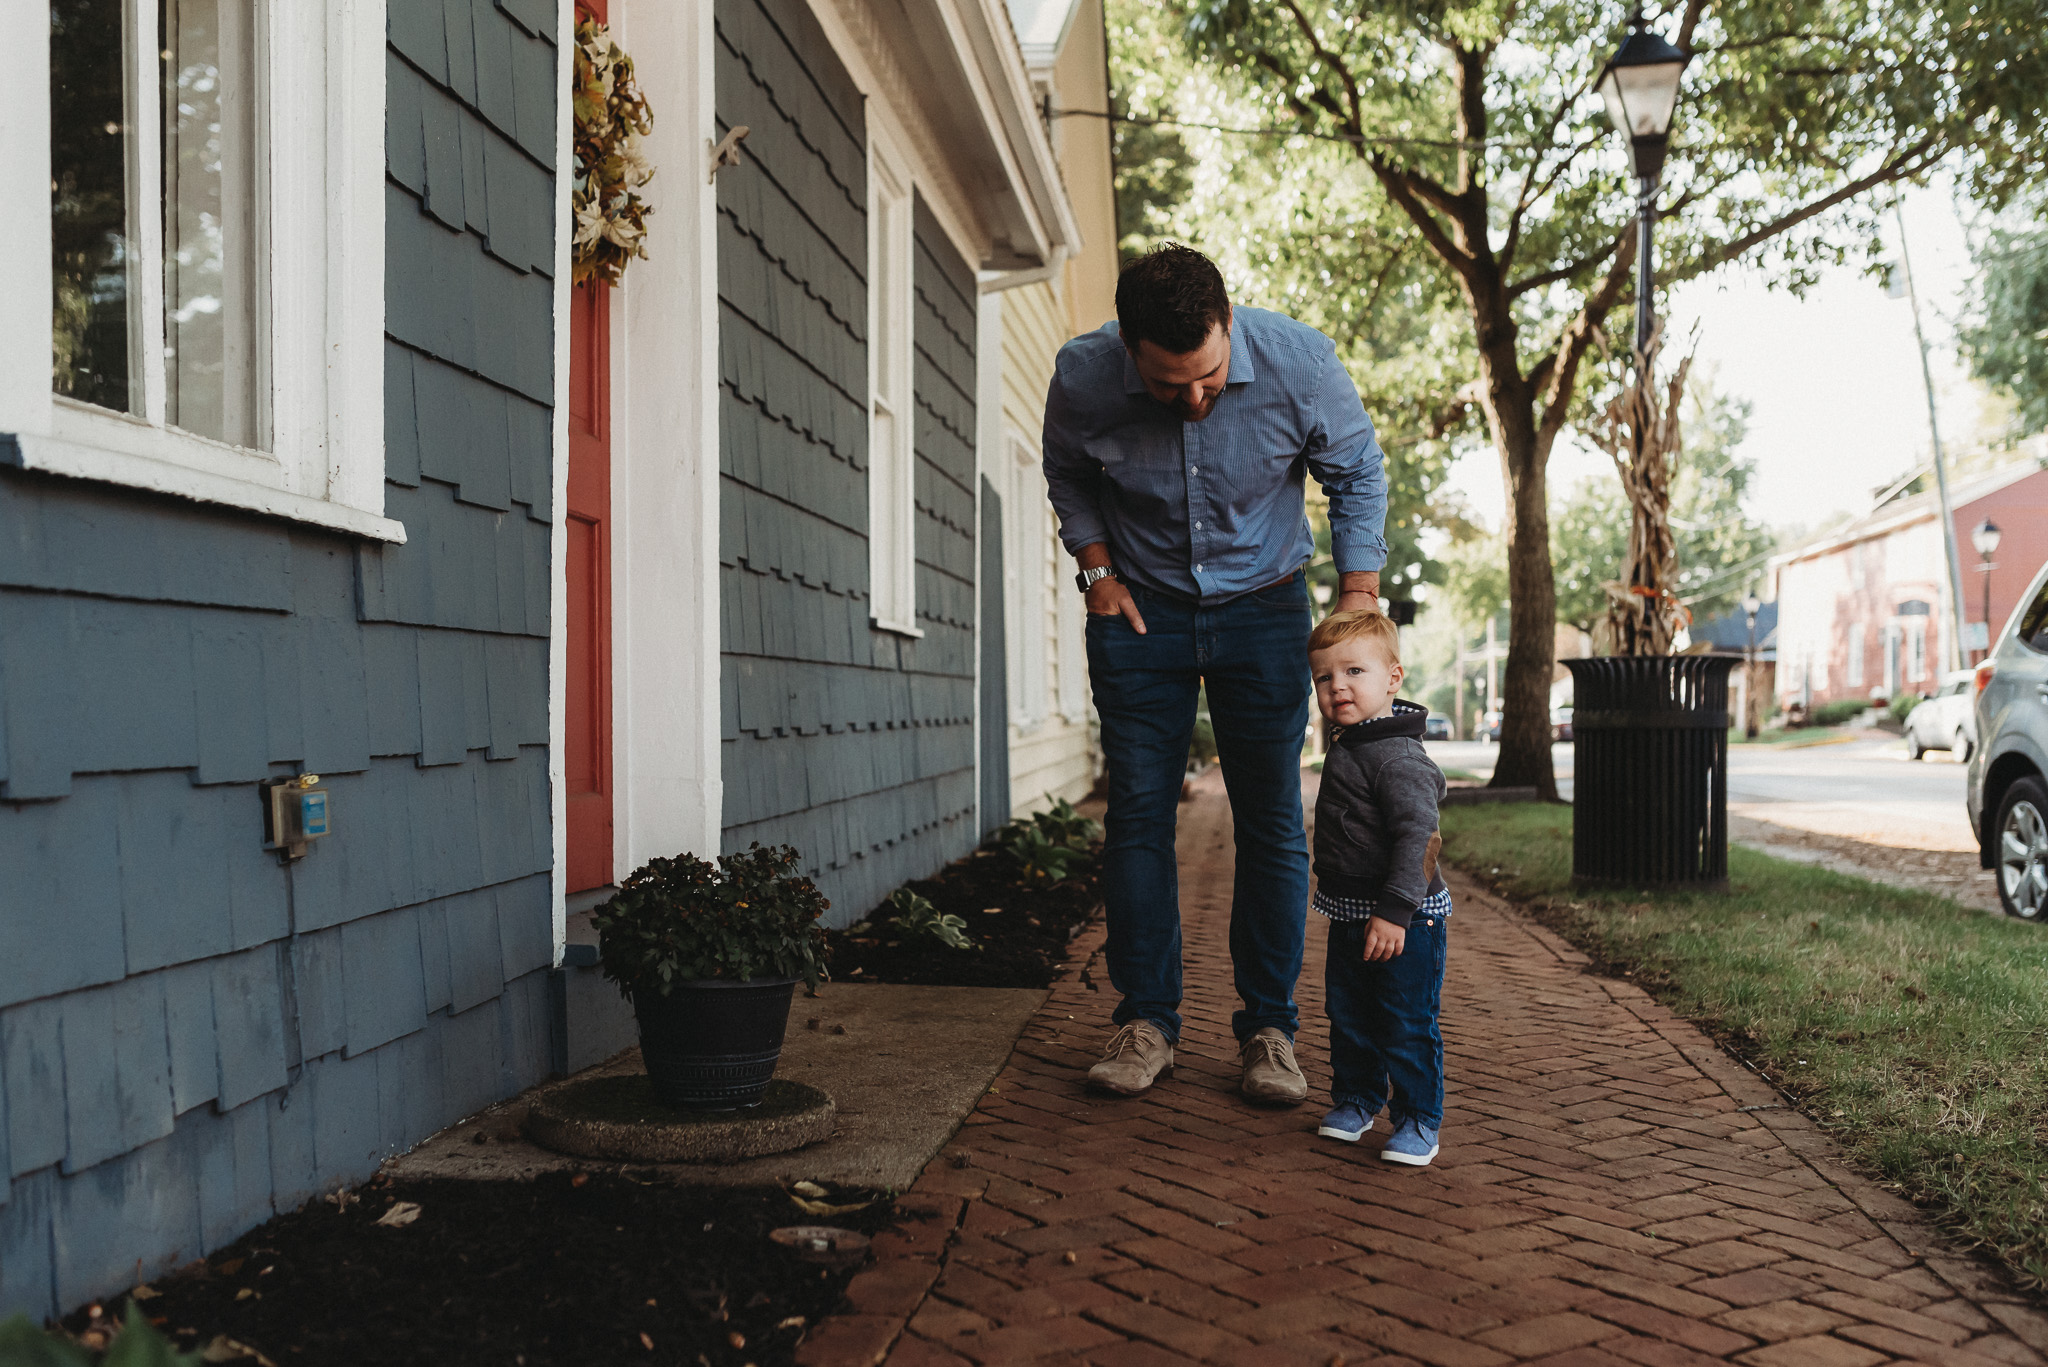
x,y
1365,554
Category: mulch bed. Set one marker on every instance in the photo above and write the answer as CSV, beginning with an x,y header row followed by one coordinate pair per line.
x,y
1020,932
559,1271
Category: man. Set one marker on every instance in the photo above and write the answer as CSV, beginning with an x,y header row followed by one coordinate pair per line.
x,y
1176,440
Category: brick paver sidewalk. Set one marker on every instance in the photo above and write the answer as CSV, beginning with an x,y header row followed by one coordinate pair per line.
x,y
1613,1189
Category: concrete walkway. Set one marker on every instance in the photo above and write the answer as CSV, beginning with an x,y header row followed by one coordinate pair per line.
x,y
1613,1189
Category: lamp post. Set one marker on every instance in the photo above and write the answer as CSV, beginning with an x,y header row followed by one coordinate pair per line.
x,y
1750,608
1640,87
1985,538
1652,761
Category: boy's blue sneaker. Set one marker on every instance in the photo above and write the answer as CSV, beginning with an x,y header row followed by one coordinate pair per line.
x,y
1412,1144
1348,1122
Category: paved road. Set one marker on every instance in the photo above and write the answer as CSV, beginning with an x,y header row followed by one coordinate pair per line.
x,y
1862,790
1859,807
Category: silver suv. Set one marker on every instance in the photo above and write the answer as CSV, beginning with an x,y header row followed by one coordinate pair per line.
x,y
2008,793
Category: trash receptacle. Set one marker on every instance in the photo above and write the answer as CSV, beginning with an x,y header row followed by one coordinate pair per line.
x,y
1650,770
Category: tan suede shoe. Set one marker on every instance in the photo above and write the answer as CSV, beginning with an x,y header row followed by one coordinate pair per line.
x,y
1136,1057
1271,1076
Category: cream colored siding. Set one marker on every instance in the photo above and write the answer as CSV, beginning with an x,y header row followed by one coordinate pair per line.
x,y
1051,723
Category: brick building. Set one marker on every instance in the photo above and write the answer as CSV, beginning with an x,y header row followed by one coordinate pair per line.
x,y
1864,610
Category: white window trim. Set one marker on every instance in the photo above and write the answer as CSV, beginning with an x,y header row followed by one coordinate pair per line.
x,y
326,269
892,473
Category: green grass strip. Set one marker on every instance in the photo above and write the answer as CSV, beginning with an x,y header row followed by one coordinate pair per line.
x,y
1913,1029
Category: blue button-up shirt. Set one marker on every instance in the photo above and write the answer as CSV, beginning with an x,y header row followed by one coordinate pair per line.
x,y
1213,509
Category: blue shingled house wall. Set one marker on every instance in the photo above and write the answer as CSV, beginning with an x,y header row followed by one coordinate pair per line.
x,y
854,744
193,1036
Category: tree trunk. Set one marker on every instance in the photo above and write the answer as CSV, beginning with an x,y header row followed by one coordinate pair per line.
x,y
1509,402
1524,758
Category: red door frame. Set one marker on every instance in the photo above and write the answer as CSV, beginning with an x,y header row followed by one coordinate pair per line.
x,y
587,761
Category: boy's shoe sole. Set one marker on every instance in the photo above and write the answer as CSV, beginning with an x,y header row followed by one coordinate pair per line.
x,y
1413,1160
1348,1136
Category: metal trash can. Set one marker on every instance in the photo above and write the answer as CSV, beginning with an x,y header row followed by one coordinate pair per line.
x,y
1650,770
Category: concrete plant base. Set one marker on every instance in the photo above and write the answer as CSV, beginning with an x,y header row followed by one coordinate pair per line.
x,y
899,1095
619,1118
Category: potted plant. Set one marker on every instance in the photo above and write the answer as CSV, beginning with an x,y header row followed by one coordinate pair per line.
x,y
710,956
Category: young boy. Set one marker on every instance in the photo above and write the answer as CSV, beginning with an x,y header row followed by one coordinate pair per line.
x,y
1377,881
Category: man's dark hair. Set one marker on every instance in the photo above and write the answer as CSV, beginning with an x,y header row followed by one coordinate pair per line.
x,y
1171,297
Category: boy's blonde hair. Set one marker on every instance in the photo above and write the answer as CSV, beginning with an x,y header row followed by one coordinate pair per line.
x,y
1368,624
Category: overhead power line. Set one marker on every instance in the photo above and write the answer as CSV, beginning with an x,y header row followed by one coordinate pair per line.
x,y
1352,139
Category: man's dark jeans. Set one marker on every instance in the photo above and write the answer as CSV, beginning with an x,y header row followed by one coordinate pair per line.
x,y
1252,654
1385,1046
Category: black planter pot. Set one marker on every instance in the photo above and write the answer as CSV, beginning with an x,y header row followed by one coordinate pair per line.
x,y
712,1045
1650,770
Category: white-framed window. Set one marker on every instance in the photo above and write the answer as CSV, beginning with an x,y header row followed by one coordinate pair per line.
x,y
192,201
1854,675
1026,539
1894,638
892,459
1916,651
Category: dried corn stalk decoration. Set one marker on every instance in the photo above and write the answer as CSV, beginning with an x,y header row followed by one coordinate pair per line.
x,y
1639,431
611,118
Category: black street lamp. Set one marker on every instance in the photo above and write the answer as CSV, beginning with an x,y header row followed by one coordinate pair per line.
x,y
1750,608
1654,741
1640,86
1985,538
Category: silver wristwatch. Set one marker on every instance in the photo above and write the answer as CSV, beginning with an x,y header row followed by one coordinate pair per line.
x,y
1086,578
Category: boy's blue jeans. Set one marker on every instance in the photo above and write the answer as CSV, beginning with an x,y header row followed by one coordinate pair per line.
x,y
1385,1047
1252,652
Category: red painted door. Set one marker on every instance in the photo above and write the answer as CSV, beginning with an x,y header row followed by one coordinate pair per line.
x,y
588,757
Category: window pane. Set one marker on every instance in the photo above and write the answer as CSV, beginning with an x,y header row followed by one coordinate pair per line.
x,y
214,310
89,204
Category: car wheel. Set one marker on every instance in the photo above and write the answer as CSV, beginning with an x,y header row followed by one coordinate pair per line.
x,y
1914,749
1960,748
2023,849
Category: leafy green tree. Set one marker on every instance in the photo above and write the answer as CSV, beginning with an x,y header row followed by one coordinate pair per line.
x,y
1295,225
1501,196
2006,337
1153,175
1721,548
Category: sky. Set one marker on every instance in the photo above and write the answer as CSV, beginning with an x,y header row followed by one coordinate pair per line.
x,y
1840,408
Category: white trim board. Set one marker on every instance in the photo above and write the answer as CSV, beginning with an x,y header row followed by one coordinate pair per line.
x,y
667,783
558,479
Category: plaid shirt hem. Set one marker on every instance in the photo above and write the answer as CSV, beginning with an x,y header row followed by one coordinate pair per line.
x,y
1361,908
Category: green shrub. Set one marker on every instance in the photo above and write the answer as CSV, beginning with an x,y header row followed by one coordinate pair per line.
x,y
1039,857
1838,712
917,918
137,1345
1064,823
1902,706
680,920
1048,845
1202,746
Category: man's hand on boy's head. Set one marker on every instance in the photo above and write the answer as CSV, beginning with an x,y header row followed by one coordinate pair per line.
x,y
1383,940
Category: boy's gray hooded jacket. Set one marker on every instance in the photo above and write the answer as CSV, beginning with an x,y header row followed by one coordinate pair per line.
x,y
1376,815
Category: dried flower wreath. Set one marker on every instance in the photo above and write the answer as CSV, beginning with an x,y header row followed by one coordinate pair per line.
x,y
611,118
